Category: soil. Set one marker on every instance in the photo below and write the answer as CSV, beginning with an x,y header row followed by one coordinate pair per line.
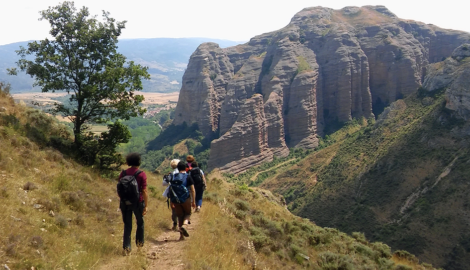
x,y
162,252
165,252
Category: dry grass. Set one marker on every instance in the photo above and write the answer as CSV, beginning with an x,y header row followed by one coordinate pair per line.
x,y
57,214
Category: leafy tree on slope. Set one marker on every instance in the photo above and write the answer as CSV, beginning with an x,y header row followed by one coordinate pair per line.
x,y
82,60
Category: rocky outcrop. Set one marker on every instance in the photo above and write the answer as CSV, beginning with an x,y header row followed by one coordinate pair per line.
x,y
453,74
326,66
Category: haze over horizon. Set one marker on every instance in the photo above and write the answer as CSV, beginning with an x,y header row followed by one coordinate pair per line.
x,y
237,21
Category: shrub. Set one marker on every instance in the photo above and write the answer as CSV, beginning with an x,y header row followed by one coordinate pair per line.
x,y
37,241
72,199
382,250
241,205
406,255
332,261
29,186
212,197
240,214
359,237
61,221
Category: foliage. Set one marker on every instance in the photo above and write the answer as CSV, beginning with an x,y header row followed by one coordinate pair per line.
x,y
81,59
142,131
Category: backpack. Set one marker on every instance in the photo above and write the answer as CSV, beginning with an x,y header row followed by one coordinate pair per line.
x,y
197,176
128,189
178,192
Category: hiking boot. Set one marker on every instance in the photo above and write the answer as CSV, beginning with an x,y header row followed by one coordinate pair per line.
x,y
174,228
181,237
126,252
184,232
198,209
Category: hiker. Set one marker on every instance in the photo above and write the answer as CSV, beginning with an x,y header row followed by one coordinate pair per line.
x,y
189,160
166,181
132,191
182,196
199,183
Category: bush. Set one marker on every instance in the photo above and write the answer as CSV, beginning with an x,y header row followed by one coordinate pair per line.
x,y
332,261
241,205
72,199
359,237
29,186
37,241
61,221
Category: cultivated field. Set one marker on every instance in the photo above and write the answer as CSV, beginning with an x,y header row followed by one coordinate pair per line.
x,y
48,98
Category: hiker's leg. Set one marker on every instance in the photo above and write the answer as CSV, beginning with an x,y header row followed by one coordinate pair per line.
x,y
126,212
174,218
179,213
186,209
199,194
139,234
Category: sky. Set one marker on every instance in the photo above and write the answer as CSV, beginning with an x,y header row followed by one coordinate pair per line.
x,y
237,20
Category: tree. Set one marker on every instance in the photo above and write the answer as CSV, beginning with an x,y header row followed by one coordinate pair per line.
x,y
82,60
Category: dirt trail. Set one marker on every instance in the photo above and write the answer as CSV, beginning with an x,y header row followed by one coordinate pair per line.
x,y
253,178
165,252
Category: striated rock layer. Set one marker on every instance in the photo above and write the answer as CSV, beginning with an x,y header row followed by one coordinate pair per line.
x,y
453,74
327,66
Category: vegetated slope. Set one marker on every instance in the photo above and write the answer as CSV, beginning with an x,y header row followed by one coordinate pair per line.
x,y
166,58
403,180
250,228
57,214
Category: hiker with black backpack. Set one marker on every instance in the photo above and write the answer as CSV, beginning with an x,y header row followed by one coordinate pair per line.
x,y
182,197
132,191
199,183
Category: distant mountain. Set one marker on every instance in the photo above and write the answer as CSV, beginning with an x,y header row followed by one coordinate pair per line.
x,y
166,58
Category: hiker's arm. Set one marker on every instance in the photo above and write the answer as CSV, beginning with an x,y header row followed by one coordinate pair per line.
x,y
193,197
146,199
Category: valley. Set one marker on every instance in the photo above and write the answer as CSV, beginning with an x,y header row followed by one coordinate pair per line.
x,y
340,141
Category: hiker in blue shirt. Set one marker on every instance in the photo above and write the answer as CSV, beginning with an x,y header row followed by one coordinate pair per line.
x,y
182,196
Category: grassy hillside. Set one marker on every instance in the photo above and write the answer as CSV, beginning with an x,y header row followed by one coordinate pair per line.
x,y
402,180
58,214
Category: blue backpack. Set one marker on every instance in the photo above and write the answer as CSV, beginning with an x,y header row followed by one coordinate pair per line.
x,y
178,192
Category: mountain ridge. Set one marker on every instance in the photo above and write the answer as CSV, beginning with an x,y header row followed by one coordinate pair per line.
x,y
323,69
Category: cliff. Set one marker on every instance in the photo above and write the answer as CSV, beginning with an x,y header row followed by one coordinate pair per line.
x,y
325,67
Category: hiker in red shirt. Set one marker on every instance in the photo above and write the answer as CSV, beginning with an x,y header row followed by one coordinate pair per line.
x,y
129,205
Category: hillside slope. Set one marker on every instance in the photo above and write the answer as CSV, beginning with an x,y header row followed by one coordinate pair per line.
x,y
403,180
57,214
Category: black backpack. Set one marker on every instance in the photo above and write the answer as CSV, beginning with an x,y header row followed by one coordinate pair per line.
x,y
128,189
197,176
178,192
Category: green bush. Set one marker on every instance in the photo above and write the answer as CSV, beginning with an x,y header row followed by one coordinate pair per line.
x,y
241,205
332,261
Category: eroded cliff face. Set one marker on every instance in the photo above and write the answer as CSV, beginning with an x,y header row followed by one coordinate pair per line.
x,y
453,74
326,66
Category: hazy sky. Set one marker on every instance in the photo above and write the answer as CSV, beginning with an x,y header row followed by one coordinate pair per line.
x,y
237,20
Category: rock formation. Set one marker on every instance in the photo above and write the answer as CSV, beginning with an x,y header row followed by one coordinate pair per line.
x,y
454,75
326,66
